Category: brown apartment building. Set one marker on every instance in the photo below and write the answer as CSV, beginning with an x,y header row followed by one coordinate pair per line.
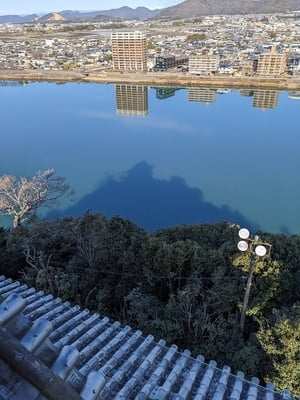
x,y
271,64
129,51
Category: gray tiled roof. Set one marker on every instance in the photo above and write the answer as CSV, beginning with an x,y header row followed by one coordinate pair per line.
x,y
50,350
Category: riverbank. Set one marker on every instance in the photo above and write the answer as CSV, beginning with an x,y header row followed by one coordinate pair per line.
x,y
153,79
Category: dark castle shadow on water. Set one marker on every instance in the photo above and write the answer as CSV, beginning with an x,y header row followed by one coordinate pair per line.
x,y
153,203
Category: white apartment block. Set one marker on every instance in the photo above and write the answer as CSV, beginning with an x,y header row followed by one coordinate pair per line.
x,y
203,64
129,51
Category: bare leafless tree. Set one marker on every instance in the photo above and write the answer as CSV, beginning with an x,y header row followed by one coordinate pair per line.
x,y
41,264
21,198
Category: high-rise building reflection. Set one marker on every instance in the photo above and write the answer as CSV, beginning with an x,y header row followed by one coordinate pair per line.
x,y
132,100
265,98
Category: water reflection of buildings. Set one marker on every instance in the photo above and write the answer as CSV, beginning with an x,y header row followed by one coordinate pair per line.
x,y
203,95
294,94
132,100
11,83
165,92
223,91
265,98
246,92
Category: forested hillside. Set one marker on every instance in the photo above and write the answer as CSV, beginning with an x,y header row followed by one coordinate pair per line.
x,y
198,8
185,284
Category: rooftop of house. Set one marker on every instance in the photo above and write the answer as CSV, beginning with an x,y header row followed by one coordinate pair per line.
x,y
52,350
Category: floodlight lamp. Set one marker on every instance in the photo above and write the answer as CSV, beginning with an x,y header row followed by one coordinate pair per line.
x,y
242,245
244,233
260,250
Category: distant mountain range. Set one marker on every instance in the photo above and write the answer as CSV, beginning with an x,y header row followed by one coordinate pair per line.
x,y
17,19
139,13
197,8
186,9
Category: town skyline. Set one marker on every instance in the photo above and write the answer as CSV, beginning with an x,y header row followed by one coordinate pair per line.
x,y
18,7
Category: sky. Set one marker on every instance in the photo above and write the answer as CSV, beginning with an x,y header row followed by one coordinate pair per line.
x,y
21,7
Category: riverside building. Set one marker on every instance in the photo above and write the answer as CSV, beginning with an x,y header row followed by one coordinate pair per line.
x,y
129,51
203,64
163,63
271,64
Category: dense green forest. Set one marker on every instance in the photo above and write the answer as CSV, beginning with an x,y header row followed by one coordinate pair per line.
x,y
185,284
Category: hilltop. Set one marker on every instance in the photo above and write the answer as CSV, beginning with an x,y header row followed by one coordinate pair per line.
x,y
50,17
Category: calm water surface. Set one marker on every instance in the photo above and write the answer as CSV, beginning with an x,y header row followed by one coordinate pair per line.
x,y
160,157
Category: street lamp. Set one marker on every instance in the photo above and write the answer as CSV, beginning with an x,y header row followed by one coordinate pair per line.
x,y
256,248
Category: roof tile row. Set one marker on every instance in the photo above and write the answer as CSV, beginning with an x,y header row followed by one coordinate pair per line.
x,y
93,358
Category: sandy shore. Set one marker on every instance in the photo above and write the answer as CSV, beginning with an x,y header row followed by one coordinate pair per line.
x,y
153,79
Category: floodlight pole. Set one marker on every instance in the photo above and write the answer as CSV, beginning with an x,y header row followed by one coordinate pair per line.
x,y
255,247
247,291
